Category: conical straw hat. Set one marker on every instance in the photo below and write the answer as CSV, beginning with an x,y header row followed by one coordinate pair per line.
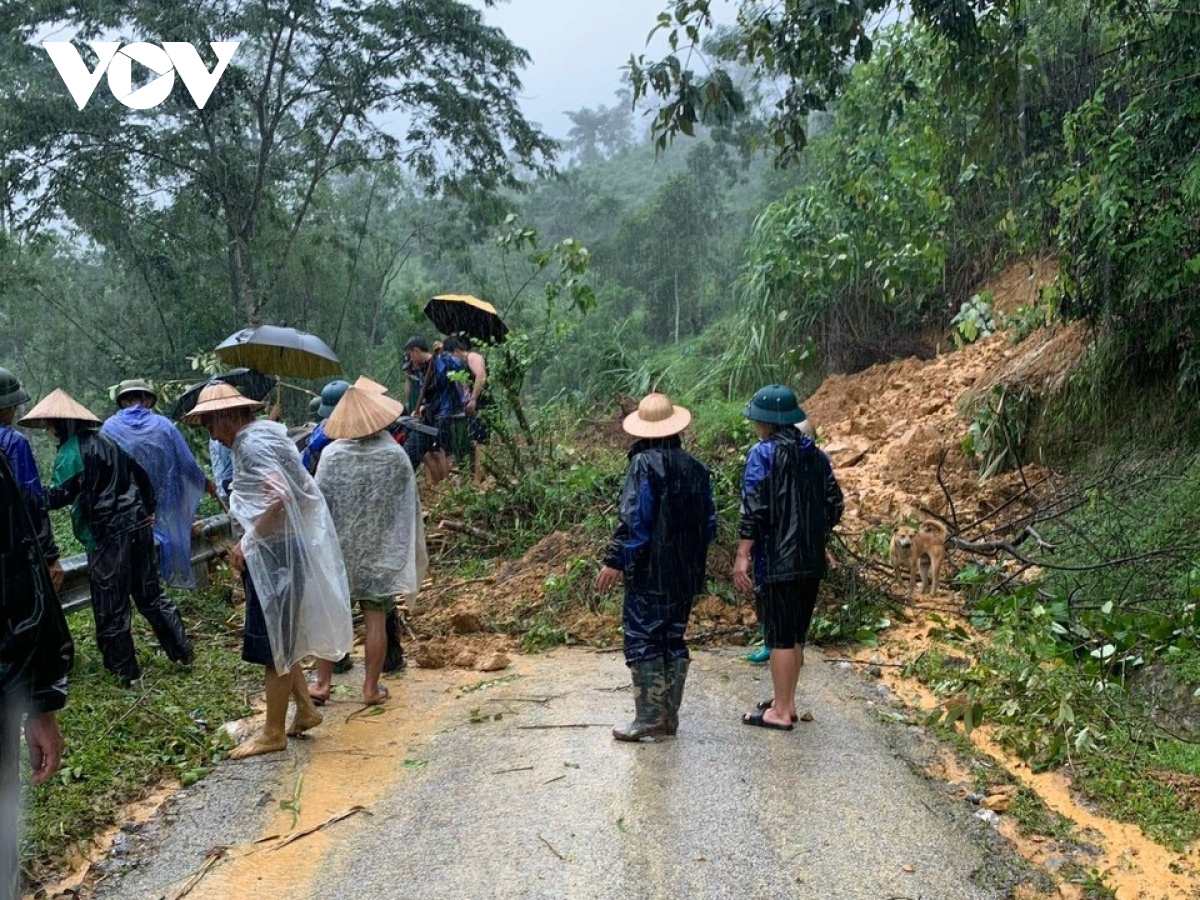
x,y
656,417
367,384
58,405
360,413
216,397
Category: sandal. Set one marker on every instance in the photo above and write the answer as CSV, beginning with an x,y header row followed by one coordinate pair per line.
x,y
757,719
767,704
381,694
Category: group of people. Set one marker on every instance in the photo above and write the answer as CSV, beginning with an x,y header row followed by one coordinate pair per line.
x,y
789,505
313,540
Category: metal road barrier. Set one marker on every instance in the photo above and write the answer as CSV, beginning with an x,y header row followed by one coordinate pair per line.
x,y
210,540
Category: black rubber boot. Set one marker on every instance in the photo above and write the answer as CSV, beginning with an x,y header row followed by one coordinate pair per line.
x,y
650,702
676,675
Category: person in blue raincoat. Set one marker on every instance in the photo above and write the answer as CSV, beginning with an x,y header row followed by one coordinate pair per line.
x,y
667,519
790,503
15,446
179,482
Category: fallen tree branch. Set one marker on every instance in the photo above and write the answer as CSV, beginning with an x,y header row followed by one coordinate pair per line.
x,y
552,850
569,725
215,855
336,817
464,528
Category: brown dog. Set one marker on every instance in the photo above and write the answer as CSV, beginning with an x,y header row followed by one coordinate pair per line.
x,y
921,551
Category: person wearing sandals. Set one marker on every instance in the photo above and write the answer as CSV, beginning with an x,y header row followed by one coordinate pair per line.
x,y
369,485
297,597
667,519
790,503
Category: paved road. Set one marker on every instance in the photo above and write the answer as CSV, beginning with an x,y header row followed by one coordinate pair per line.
x,y
508,785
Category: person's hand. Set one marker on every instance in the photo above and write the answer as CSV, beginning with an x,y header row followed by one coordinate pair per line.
x,y
56,574
45,742
470,407
276,413
607,579
741,573
237,558
210,488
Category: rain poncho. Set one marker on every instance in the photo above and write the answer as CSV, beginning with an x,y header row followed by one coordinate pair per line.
x,y
372,495
178,481
291,548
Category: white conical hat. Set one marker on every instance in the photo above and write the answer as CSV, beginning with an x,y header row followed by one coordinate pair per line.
x,y
59,405
360,413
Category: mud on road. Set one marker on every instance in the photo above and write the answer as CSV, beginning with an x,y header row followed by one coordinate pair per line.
x,y
509,784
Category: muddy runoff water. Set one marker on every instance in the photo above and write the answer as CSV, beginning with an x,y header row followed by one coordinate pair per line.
x,y
509,784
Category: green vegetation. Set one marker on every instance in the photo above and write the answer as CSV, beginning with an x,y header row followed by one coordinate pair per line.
x,y
122,744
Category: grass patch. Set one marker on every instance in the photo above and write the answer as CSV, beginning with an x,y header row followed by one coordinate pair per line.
x,y
122,743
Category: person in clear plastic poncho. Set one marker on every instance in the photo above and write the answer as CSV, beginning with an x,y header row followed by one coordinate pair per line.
x,y
371,490
297,598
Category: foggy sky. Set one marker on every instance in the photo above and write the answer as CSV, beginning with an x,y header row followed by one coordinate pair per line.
x,y
578,49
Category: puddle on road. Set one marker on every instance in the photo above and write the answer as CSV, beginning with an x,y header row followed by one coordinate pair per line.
x,y
1131,864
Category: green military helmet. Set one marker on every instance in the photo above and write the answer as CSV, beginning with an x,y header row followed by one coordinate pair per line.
x,y
314,407
11,392
776,405
330,395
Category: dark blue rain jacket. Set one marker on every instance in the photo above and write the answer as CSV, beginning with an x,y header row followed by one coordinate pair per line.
x,y
790,503
667,520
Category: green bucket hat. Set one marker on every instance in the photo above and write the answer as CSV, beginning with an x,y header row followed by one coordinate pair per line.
x,y
135,386
11,392
776,405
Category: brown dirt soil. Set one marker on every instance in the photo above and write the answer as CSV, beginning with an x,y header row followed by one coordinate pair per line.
x,y
895,434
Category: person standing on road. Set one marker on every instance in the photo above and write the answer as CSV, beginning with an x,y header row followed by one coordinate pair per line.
x,y
297,598
112,510
790,503
179,483
667,519
36,654
369,485
16,448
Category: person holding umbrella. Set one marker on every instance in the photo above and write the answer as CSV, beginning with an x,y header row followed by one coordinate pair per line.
x,y
371,491
179,482
112,507
297,596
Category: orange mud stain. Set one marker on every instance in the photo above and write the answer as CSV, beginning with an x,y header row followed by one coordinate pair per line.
x,y
355,760
1131,864
82,856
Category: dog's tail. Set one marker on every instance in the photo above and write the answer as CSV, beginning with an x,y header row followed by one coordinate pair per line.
x,y
933,526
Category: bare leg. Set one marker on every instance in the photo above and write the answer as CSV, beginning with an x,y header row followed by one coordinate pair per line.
x,y
785,672
306,714
324,686
272,737
376,650
478,450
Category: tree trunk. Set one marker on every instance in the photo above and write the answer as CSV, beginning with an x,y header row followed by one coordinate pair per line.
x,y
676,306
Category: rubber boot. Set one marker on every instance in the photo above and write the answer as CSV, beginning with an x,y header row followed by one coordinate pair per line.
x,y
650,702
762,654
676,670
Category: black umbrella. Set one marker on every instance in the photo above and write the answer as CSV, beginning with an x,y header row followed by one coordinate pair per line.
x,y
280,351
464,314
250,383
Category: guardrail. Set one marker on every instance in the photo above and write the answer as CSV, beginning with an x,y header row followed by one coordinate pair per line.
x,y
209,541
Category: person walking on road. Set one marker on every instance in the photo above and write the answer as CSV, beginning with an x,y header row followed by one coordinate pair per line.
x,y
667,519
790,503
36,654
297,598
369,485
179,483
112,510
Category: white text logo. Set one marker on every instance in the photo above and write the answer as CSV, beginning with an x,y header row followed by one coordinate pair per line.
x,y
164,62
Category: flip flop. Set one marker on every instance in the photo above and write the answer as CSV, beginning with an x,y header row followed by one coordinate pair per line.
x,y
381,694
756,718
767,704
